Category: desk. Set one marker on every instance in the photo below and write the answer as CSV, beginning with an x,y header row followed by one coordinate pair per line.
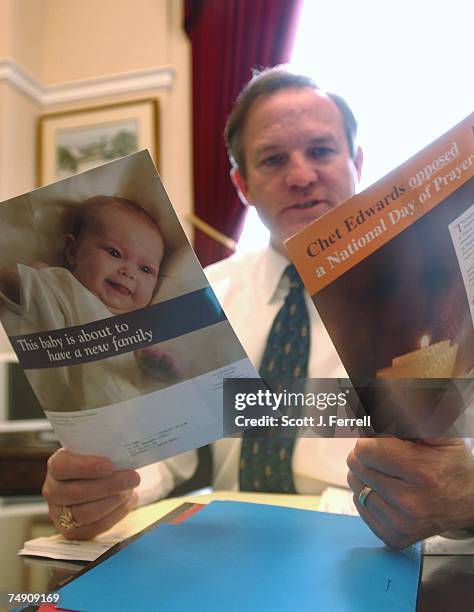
x,y
447,581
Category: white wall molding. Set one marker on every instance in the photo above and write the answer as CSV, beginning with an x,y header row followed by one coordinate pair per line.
x,y
13,74
46,95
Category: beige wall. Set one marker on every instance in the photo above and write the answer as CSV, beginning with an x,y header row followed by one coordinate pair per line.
x,y
18,115
5,31
104,37
21,33
63,41
26,30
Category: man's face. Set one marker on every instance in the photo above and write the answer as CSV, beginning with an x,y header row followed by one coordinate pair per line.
x,y
298,164
118,258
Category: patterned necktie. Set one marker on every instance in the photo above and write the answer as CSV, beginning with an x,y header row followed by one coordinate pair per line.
x,y
265,463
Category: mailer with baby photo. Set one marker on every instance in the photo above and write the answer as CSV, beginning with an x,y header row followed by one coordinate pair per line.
x,y
112,318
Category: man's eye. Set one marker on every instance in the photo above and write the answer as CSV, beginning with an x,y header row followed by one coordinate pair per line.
x,y
273,161
320,152
113,252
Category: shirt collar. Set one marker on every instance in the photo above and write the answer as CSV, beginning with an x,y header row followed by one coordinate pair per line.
x,y
271,272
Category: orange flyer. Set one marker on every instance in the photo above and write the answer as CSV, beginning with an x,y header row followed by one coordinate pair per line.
x,y
391,270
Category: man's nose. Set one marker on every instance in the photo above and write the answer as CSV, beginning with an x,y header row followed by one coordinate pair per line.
x,y
301,172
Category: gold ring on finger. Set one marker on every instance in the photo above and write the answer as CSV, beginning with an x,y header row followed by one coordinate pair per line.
x,y
66,519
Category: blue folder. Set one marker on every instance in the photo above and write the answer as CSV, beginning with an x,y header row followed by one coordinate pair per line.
x,y
242,556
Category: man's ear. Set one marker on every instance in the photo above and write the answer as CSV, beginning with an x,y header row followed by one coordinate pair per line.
x,y
358,161
70,250
241,186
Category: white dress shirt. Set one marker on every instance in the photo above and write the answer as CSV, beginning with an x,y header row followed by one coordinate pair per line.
x,y
251,290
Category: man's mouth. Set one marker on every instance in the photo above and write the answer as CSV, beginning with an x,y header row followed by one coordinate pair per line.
x,y
308,204
119,287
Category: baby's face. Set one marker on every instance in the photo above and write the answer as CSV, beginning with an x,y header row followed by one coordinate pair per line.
x,y
118,259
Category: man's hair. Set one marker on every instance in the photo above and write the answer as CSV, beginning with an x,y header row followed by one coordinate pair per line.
x,y
88,216
264,83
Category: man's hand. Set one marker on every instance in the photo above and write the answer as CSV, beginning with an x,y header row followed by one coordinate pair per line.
x,y
419,488
97,496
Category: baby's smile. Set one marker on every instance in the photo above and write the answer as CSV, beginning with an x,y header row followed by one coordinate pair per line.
x,y
119,287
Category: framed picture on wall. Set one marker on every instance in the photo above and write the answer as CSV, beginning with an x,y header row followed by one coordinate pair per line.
x,y
73,141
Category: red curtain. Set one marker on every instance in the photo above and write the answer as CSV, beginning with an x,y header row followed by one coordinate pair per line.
x,y
228,38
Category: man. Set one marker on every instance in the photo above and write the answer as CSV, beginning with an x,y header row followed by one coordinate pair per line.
x,y
294,156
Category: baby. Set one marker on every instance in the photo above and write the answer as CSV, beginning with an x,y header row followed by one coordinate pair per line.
x,y
115,252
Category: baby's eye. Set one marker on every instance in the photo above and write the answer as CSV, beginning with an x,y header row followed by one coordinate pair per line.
x,y
146,269
113,252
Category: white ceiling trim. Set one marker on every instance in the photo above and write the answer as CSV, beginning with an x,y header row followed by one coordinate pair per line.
x,y
46,95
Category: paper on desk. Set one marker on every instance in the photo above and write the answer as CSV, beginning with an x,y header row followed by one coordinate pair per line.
x,y
337,501
438,545
57,547
340,501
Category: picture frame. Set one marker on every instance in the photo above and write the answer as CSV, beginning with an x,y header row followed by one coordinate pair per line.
x,y
76,140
